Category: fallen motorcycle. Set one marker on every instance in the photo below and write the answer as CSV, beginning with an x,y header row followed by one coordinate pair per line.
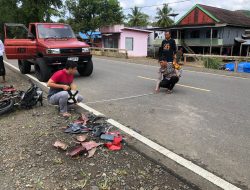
x,y
10,98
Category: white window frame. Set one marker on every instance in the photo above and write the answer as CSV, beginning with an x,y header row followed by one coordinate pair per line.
x,y
132,45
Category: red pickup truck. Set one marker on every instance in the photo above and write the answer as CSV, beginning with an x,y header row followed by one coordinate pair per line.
x,y
47,46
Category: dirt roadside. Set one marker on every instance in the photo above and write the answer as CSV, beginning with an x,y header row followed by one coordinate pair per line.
x,y
29,161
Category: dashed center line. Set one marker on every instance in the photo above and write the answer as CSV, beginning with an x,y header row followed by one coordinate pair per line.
x,y
116,99
182,85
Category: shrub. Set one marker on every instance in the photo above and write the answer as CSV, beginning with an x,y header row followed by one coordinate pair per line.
x,y
212,63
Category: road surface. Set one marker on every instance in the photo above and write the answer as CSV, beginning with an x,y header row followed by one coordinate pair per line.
x,y
206,119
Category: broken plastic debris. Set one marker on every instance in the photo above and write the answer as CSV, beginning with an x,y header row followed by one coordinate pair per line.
x,y
82,120
78,150
61,145
91,144
81,138
115,145
91,152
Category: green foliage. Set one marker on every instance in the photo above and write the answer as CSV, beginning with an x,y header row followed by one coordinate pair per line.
x,y
40,11
212,63
162,17
89,15
6,14
137,18
26,11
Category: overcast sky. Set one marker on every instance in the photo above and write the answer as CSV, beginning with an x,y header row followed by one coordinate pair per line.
x,y
183,7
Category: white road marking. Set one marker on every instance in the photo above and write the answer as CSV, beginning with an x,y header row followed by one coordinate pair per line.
x,y
171,155
221,75
116,99
84,106
206,73
186,86
201,89
180,160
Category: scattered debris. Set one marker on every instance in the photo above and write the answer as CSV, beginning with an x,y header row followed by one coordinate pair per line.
x,y
82,120
76,128
61,145
91,144
78,150
81,138
99,130
96,126
92,152
115,144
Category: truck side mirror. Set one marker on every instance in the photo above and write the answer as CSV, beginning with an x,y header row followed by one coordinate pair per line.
x,y
31,36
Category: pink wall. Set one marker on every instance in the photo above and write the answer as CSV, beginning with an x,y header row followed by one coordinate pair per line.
x,y
110,29
140,40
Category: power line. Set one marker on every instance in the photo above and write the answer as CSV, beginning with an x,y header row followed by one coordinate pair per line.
x,y
159,4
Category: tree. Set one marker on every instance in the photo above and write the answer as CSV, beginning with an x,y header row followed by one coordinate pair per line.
x,y
89,15
26,11
39,11
137,18
6,14
162,17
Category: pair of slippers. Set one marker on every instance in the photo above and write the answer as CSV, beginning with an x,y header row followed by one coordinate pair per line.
x,y
76,128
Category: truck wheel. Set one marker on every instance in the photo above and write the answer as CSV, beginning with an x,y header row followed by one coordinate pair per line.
x,y
24,66
42,70
86,69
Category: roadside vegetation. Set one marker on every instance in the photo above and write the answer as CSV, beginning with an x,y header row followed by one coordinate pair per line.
x,y
82,15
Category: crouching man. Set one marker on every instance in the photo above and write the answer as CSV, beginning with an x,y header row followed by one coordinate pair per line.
x,y
60,84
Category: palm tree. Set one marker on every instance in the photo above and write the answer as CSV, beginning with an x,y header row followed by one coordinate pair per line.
x,y
162,17
137,18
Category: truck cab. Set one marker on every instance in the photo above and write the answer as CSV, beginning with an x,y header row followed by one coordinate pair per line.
x,y
47,46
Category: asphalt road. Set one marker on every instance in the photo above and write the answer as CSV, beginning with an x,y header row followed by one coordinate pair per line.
x,y
205,120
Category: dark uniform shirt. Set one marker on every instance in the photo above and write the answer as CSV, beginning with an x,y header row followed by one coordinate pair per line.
x,y
168,50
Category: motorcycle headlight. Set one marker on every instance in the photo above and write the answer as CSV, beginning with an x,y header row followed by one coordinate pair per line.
x,y
85,50
53,51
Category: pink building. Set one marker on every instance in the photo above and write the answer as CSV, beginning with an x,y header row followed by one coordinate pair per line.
x,y
135,41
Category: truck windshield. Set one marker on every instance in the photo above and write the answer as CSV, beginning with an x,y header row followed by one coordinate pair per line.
x,y
55,31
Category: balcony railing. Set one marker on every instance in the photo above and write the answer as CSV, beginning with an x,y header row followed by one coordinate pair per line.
x,y
194,42
200,42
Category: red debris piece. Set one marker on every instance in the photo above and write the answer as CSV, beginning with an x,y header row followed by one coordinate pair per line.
x,y
115,145
78,150
91,144
82,120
